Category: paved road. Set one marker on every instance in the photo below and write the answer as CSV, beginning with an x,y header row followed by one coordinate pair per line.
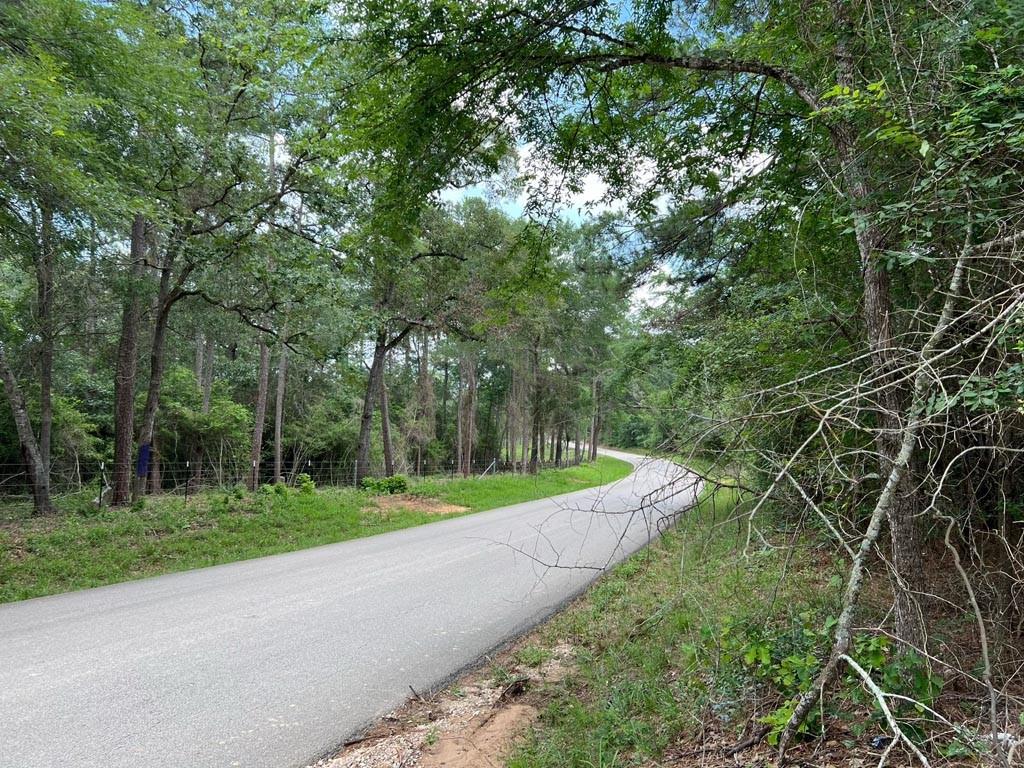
x,y
270,663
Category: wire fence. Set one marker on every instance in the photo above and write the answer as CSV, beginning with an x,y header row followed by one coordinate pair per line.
x,y
189,477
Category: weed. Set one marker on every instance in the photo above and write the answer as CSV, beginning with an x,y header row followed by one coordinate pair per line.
x,y
501,676
386,485
532,655
305,484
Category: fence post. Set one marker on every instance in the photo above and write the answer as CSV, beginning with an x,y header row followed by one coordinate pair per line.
x,y
103,482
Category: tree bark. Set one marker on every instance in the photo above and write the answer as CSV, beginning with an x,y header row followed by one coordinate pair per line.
x,y
426,417
467,413
385,428
200,350
382,345
206,380
904,529
124,375
204,359
155,472
369,398
458,426
38,477
525,447
444,401
44,307
536,435
282,373
260,415
510,422
167,297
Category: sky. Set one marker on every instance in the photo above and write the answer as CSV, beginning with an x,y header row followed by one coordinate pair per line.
x,y
576,207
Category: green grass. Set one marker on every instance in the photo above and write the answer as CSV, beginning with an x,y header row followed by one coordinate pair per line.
x,y
500,490
661,639
85,548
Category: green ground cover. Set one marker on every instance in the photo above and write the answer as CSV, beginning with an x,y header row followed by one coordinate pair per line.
x,y
672,641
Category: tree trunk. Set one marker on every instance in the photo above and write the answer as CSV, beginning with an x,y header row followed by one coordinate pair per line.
x,y
558,447
200,350
510,423
38,477
467,413
426,418
458,426
260,415
205,360
166,298
595,420
124,375
525,447
206,380
385,429
904,529
513,420
282,373
536,435
44,296
155,472
444,402
366,419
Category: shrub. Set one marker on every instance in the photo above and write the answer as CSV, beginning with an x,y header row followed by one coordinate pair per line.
x,y
305,484
386,485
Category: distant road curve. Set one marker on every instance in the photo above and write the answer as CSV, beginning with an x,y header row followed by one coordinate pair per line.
x,y
271,663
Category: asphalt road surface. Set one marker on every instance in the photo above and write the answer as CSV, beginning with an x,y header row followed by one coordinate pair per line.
x,y
270,663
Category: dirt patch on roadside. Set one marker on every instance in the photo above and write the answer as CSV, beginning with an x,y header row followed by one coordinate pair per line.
x,y
416,504
472,723
484,743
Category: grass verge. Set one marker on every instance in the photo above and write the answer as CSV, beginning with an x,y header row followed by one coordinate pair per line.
x,y
670,643
84,548
502,490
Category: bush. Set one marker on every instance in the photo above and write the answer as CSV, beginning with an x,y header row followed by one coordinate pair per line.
x,y
305,484
386,485
273,489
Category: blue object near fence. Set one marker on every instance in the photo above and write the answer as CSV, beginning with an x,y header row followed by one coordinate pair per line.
x,y
142,465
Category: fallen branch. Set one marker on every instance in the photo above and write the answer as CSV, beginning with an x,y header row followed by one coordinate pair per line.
x,y
879,695
752,740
